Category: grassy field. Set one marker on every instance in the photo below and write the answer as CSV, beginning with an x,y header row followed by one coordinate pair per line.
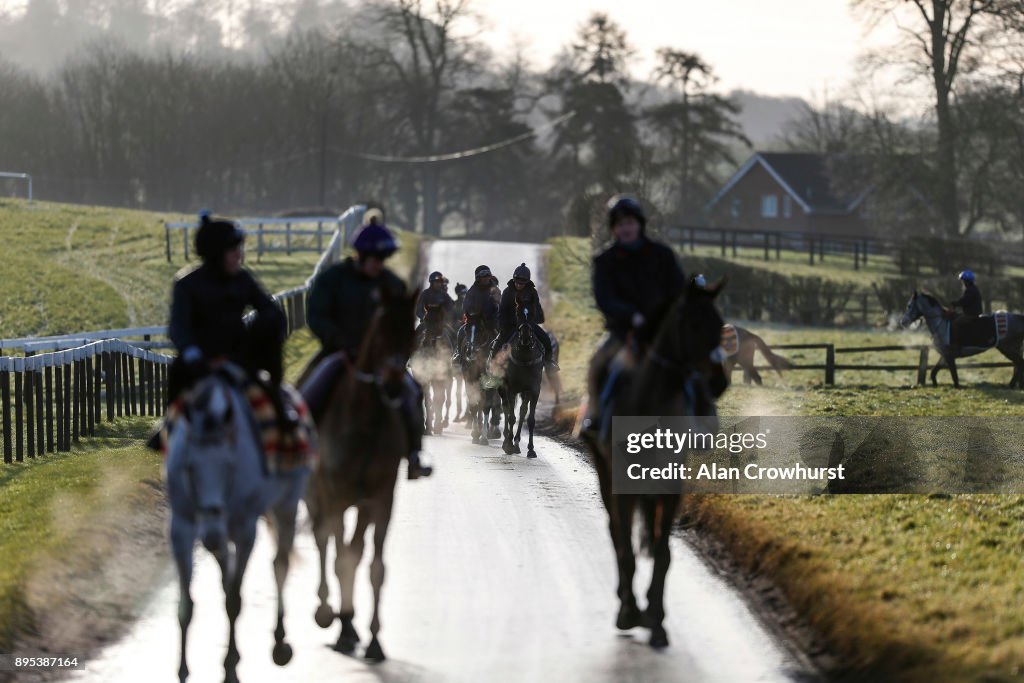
x,y
72,268
917,588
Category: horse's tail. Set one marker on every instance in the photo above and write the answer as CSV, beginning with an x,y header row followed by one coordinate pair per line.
x,y
777,362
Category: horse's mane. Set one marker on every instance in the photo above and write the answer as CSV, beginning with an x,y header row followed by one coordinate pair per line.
x,y
931,297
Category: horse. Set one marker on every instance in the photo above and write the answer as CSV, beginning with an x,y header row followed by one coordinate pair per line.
x,y
522,377
363,440
219,485
1002,330
739,344
431,365
476,341
680,374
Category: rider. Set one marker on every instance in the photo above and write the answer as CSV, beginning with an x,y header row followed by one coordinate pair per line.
x,y
206,324
457,307
636,280
482,301
970,302
436,295
341,306
521,293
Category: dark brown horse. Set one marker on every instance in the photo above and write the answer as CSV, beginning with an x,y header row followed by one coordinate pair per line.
x,y
676,376
362,443
740,344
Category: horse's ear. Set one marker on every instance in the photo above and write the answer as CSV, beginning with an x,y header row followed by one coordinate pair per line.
x,y
717,288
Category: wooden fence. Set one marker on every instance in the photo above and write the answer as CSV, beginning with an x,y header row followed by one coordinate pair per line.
x,y
265,231
859,248
831,365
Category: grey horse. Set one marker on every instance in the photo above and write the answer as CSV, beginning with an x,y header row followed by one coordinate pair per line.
x,y
218,485
980,334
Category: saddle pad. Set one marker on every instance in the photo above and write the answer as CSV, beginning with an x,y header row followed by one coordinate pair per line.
x,y
297,449
1002,320
730,340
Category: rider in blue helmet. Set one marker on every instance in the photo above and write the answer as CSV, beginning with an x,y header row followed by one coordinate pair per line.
x,y
970,302
342,302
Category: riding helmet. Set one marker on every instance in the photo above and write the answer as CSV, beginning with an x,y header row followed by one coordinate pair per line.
x,y
481,271
373,215
215,237
967,275
460,289
375,240
623,205
436,276
521,273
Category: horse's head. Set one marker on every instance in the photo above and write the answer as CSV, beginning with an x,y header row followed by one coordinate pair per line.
x,y
209,455
390,342
472,337
920,305
688,345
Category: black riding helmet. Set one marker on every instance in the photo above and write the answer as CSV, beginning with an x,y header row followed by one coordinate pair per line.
x,y
521,273
623,205
481,271
216,237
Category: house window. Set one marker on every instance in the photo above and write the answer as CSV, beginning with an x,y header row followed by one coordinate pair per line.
x,y
787,206
769,206
736,207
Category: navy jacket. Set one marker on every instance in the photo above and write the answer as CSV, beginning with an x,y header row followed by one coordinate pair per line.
x,y
970,301
647,280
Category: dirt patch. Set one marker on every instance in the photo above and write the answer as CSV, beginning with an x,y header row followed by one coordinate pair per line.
x,y
85,603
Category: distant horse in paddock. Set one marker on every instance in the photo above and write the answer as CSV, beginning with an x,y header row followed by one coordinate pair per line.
x,y
1001,330
739,345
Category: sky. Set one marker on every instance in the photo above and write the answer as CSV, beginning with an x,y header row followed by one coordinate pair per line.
x,y
805,48
776,47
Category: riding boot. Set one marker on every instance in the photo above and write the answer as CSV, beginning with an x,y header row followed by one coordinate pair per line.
x,y
287,417
413,418
545,341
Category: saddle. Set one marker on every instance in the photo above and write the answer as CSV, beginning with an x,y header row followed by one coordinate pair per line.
x,y
730,343
982,332
281,454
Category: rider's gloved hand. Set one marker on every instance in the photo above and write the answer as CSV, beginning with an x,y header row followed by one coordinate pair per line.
x,y
638,319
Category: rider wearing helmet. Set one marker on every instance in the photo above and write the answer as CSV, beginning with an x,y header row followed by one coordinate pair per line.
x,y
521,294
342,302
482,301
435,295
457,308
206,324
635,282
970,302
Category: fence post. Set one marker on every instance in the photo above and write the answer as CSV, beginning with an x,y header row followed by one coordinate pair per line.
x,y
723,243
320,236
693,240
167,239
108,383
856,255
40,410
5,396
66,368
184,241
864,253
58,396
922,367
288,238
734,244
259,243
767,241
19,412
49,409
830,364
30,413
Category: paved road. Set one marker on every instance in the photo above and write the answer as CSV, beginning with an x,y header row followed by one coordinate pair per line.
x,y
499,569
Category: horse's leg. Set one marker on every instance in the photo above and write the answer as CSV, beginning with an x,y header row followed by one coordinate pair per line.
x,y
322,532
951,362
756,376
494,406
349,556
439,403
1013,354
448,400
935,370
382,518
531,421
662,554
621,525
233,599
524,408
426,410
284,519
183,534
508,406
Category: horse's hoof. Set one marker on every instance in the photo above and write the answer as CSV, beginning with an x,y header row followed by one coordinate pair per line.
x,y
230,676
531,453
374,653
659,637
508,448
282,654
484,441
346,646
629,617
516,449
445,423
427,432
324,616
495,433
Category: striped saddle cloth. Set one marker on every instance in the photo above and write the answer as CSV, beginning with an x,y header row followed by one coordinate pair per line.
x,y
1002,321
282,453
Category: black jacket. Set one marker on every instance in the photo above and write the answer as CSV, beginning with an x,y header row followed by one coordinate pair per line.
x,y
970,301
483,300
433,297
647,280
342,303
507,308
207,307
